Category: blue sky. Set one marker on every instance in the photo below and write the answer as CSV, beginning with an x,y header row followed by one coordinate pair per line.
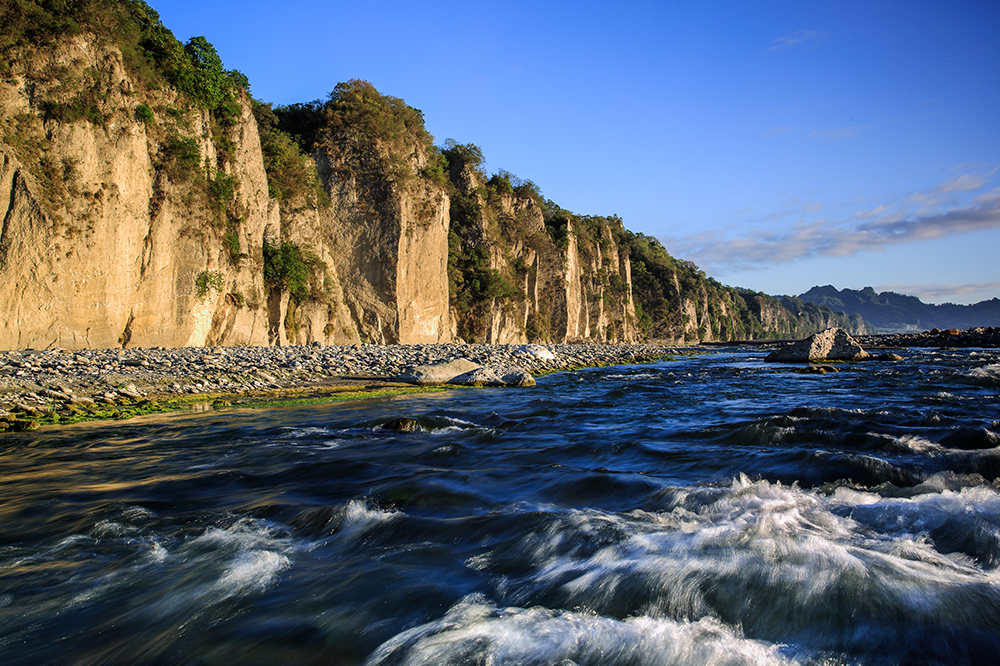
x,y
778,145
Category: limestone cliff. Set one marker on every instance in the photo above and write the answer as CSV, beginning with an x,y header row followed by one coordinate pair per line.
x,y
516,276
383,235
389,240
146,200
106,239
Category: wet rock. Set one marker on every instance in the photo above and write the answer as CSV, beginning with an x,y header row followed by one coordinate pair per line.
x,y
833,344
130,391
815,370
55,395
402,424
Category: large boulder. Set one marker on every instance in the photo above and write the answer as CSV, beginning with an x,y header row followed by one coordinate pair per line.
x,y
833,344
496,375
441,372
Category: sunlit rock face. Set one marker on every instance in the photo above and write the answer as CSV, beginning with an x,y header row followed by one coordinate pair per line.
x,y
101,245
833,344
388,241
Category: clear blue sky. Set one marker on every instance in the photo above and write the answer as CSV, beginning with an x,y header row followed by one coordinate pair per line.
x,y
778,145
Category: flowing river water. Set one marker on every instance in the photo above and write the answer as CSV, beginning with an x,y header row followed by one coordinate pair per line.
x,y
711,509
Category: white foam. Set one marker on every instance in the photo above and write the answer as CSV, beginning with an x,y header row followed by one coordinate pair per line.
x,y
251,571
359,517
299,433
918,444
474,631
156,553
987,375
778,558
638,375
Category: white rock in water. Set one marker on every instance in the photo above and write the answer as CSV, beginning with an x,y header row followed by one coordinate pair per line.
x,y
537,351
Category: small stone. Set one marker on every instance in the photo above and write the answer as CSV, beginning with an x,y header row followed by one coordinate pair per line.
x,y
130,391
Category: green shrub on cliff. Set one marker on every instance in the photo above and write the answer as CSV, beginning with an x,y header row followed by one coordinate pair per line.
x,y
367,129
460,155
288,267
361,112
207,280
291,174
180,158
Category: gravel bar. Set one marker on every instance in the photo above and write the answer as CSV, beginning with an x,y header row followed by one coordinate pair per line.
x,y
40,381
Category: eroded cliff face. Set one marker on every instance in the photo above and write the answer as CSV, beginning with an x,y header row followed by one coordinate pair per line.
x,y
132,216
518,281
323,316
386,237
384,250
100,246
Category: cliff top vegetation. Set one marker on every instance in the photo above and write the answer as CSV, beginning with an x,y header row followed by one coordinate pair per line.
x,y
149,50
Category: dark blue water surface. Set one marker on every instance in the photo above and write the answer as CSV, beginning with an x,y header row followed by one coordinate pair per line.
x,y
713,509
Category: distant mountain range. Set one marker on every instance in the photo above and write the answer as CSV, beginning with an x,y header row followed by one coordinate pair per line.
x,y
889,311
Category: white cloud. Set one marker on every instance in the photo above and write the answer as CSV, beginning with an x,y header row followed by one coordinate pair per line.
x,y
911,218
803,38
824,238
875,212
937,292
991,196
963,183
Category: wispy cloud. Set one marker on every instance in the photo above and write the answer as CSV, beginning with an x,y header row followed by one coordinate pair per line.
x,y
863,232
836,133
874,212
991,196
799,38
939,292
963,183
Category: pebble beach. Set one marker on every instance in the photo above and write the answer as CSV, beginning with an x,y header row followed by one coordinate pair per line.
x,y
82,383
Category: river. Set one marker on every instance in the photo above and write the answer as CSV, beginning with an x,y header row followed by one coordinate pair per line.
x,y
711,509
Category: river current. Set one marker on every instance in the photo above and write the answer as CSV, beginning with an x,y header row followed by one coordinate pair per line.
x,y
711,509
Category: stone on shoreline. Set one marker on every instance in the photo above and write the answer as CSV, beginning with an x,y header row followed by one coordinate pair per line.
x,y
495,375
833,344
441,372
538,352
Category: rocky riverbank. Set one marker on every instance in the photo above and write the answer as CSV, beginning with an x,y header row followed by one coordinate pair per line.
x,y
61,386
973,337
